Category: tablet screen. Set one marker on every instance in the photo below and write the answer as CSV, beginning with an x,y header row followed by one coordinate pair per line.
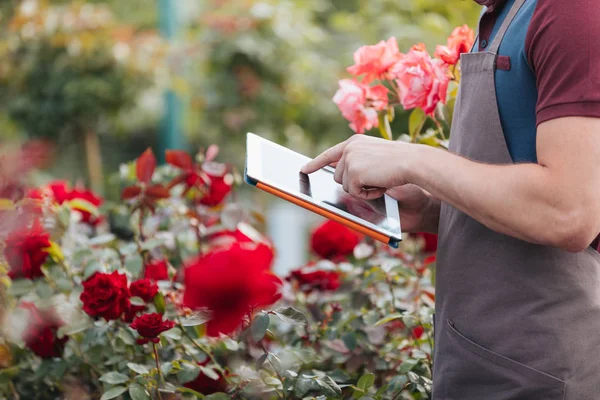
x,y
280,167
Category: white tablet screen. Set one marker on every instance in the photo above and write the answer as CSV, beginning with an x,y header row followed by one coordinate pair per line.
x,y
279,167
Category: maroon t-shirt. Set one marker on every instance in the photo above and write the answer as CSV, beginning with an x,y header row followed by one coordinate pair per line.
x,y
549,65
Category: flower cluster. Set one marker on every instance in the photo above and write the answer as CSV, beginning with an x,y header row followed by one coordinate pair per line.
x,y
184,299
413,80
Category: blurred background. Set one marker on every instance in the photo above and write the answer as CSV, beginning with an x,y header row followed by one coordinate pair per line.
x,y
104,80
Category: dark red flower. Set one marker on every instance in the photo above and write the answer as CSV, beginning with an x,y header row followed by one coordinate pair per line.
x,y
26,252
218,188
157,270
334,241
149,326
418,332
430,241
230,282
144,288
105,295
90,197
131,311
40,336
310,279
206,385
59,192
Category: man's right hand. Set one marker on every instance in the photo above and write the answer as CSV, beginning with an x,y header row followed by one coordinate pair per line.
x,y
419,210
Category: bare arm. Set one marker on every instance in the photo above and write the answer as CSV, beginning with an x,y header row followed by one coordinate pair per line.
x,y
555,202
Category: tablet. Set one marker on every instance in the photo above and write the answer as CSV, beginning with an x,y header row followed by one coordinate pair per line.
x,y
276,170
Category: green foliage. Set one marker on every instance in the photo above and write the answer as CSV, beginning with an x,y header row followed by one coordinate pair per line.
x,y
276,70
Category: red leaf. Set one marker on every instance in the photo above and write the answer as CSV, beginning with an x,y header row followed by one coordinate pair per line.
x,y
130,192
179,158
177,180
145,166
212,152
158,192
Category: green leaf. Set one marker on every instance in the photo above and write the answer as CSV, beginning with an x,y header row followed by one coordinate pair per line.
x,y
196,319
329,387
159,303
151,244
188,373
114,378
137,301
349,340
174,334
209,372
389,318
20,287
407,365
304,385
260,362
166,367
259,326
291,316
114,392
272,381
415,122
82,205
43,290
91,269
139,368
102,239
138,393
218,396
134,264
365,382
191,391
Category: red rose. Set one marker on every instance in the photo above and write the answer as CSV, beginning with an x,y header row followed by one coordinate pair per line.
x,y
40,334
59,192
310,279
157,270
144,288
333,240
205,385
91,198
131,311
230,282
218,188
149,326
25,251
418,332
105,295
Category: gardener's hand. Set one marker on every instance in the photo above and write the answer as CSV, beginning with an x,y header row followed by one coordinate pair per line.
x,y
367,166
419,210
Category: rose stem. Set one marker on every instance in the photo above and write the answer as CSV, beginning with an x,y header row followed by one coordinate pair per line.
x,y
162,379
205,351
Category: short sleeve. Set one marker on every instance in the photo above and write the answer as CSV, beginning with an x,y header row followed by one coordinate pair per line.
x,y
563,50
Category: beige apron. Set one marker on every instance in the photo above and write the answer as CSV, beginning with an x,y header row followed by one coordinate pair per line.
x,y
514,320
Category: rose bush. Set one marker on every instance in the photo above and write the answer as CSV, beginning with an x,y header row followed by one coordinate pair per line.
x,y
171,294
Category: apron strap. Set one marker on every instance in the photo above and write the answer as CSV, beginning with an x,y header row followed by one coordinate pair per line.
x,y
507,21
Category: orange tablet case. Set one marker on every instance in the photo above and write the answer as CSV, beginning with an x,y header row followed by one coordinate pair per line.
x,y
323,212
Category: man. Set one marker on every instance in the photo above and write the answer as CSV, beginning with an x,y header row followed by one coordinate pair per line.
x,y
516,203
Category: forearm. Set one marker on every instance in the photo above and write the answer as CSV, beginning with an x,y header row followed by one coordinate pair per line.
x,y
525,201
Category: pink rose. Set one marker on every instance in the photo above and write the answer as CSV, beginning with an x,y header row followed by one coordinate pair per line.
x,y
460,41
375,61
422,82
359,103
